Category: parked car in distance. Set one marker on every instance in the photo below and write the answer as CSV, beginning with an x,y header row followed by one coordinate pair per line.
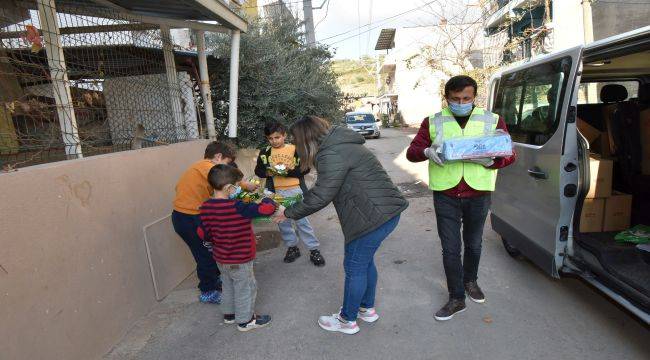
x,y
363,123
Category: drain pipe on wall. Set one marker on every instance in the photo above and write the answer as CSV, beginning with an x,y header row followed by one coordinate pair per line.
x,y
587,22
234,84
588,34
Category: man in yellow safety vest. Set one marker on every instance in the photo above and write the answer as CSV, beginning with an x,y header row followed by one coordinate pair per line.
x,y
461,190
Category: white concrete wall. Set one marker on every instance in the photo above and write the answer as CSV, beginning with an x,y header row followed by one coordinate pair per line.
x,y
74,273
183,38
145,100
618,16
418,85
418,93
188,106
568,28
611,18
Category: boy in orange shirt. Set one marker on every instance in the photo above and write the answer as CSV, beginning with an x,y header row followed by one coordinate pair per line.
x,y
279,164
192,190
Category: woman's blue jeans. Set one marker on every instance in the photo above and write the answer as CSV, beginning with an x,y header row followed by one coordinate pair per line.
x,y
360,270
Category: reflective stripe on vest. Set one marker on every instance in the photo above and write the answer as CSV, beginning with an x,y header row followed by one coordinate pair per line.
x,y
444,125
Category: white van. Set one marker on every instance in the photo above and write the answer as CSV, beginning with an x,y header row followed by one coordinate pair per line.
x,y
561,109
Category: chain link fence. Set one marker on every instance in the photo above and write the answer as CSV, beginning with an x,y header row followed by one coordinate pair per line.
x,y
82,80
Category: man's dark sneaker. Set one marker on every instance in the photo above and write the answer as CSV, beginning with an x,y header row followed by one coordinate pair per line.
x,y
474,292
228,318
316,258
258,321
454,306
292,254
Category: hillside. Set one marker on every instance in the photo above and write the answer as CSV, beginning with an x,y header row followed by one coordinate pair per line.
x,y
356,77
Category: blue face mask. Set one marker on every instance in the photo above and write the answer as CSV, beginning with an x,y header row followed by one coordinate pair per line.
x,y
461,109
236,193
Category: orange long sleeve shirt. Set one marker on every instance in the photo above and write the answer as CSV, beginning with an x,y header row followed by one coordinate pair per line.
x,y
193,188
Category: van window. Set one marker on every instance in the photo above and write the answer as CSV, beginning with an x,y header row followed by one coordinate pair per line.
x,y
528,100
589,92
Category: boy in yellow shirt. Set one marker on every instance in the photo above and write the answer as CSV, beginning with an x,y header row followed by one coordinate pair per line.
x,y
278,164
192,190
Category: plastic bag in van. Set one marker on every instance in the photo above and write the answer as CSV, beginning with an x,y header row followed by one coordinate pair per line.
x,y
496,144
639,234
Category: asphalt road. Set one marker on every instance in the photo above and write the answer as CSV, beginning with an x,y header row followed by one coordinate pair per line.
x,y
527,315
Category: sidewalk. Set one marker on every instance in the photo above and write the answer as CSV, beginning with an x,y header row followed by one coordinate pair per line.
x,y
527,314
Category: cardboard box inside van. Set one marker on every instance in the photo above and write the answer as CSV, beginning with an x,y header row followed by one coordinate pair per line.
x,y
618,211
591,217
600,173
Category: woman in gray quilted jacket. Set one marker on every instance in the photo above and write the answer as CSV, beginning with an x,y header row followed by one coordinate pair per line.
x,y
366,200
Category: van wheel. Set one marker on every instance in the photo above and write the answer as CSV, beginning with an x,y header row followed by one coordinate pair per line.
x,y
511,250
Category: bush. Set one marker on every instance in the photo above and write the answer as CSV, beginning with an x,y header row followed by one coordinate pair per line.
x,y
385,120
280,79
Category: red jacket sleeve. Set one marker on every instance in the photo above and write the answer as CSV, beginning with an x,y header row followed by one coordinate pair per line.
x,y
422,140
503,161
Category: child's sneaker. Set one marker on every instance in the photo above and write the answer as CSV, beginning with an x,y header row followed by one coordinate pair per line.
x,y
210,297
258,321
336,323
368,315
316,258
292,254
228,318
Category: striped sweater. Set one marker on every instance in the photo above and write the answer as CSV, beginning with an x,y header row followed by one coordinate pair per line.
x,y
226,224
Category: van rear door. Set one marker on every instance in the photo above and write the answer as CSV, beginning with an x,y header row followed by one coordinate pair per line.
x,y
535,197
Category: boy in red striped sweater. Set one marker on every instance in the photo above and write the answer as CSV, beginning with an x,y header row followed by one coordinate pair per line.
x,y
226,223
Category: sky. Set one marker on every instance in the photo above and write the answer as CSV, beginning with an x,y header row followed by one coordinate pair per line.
x,y
351,27
346,15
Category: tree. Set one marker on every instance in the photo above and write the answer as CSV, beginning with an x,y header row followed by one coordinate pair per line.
x,y
280,79
455,45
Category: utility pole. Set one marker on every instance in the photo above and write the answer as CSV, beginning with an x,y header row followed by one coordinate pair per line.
x,y
309,22
377,71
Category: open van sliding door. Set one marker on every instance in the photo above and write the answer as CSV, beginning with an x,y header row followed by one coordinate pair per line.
x,y
534,201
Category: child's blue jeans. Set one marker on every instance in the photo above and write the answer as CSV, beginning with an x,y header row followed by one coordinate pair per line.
x,y
360,270
207,271
303,229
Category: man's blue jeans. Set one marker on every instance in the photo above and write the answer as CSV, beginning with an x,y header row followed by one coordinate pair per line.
x,y
360,270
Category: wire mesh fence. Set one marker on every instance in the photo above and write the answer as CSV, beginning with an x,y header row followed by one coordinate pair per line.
x,y
77,79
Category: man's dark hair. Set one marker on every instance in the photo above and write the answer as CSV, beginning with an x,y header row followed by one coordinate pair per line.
x,y
222,175
458,83
226,149
274,126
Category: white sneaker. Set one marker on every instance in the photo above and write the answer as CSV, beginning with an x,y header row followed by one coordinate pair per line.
x,y
335,323
368,315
